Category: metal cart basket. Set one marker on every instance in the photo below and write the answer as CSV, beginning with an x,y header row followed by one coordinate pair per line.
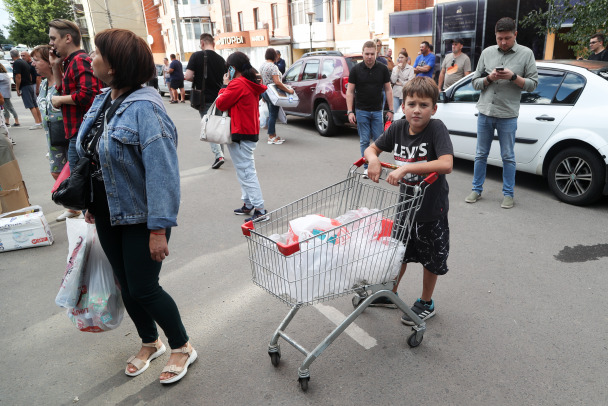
x,y
360,256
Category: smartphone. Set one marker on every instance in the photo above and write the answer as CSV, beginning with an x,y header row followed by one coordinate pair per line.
x,y
500,69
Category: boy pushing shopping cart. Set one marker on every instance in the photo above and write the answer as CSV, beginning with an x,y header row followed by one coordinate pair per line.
x,y
420,145
351,237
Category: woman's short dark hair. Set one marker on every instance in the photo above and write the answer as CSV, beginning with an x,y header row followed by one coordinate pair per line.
x,y
42,52
128,55
241,64
271,54
404,53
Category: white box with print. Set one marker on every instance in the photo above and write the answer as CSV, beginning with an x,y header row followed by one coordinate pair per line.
x,y
18,230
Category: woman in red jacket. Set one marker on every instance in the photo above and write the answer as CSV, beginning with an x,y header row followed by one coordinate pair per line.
x,y
241,99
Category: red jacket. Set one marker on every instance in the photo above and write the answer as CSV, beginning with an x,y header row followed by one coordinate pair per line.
x,y
241,99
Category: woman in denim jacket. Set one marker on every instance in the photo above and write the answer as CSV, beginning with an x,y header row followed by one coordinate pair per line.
x,y
136,193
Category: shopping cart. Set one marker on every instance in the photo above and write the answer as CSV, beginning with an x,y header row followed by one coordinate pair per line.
x,y
361,256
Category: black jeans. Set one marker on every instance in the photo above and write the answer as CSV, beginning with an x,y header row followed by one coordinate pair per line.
x,y
127,248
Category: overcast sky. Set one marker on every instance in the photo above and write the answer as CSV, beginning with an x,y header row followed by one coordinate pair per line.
x,y
3,18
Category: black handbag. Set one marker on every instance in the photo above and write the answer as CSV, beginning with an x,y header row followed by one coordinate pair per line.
x,y
76,192
57,134
197,96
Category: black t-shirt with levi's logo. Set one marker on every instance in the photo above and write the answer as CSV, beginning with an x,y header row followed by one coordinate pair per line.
x,y
431,143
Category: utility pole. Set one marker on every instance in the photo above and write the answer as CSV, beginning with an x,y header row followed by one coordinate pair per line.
x,y
109,15
179,31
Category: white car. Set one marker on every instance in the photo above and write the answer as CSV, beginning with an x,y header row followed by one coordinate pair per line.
x,y
561,130
162,86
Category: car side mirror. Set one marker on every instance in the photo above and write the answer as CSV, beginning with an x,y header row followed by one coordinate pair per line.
x,y
442,97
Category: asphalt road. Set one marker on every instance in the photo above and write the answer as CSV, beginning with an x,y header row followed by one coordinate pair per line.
x,y
521,316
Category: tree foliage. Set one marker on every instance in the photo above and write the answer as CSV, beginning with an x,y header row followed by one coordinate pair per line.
x,y
30,18
587,16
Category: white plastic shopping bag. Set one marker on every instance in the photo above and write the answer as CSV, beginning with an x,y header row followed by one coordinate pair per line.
x,y
282,117
80,235
100,307
264,114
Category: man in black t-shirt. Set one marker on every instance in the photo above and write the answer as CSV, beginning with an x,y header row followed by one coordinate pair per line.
x,y
36,78
206,71
596,45
420,146
364,93
25,87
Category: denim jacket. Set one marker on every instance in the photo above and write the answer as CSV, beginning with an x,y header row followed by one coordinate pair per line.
x,y
138,158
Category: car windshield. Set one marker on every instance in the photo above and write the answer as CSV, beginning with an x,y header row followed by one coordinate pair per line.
x,y
351,61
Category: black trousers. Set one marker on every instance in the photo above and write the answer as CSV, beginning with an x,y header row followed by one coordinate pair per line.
x,y
127,248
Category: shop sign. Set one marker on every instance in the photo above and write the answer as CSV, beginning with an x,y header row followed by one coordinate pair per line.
x,y
460,16
234,40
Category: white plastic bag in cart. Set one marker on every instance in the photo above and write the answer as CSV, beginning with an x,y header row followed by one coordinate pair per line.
x,y
80,235
365,254
314,224
100,307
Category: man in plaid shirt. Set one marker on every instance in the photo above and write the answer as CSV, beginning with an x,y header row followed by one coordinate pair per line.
x,y
77,86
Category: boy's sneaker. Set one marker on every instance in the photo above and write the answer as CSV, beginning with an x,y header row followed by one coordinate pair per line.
x,y
383,302
424,311
472,197
258,216
244,210
218,162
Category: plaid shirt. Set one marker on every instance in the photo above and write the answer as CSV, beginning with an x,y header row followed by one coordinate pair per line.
x,y
78,82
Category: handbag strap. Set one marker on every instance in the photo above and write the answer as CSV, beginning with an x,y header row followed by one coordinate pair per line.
x,y
109,114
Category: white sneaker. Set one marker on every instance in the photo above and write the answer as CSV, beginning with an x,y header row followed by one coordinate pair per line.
x,y
365,174
36,126
67,214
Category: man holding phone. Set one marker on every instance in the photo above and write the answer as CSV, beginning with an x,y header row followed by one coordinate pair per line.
x,y
76,85
503,71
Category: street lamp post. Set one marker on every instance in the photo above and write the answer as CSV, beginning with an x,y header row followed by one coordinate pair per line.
x,y
311,16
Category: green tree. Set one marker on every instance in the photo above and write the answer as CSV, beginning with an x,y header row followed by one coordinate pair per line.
x,y
587,16
29,19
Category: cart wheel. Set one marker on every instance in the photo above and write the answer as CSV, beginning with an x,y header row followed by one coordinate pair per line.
x,y
275,357
412,341
304,383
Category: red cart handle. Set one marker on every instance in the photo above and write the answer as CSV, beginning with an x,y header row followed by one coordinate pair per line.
x,y
430,179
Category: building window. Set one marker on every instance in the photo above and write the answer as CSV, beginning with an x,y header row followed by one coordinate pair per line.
x,y
185,2
275,16
318,9
256,19
241,23
344,11
227,17
188,28
299,8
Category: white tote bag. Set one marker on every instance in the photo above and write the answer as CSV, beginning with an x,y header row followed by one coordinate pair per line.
x,y
216,129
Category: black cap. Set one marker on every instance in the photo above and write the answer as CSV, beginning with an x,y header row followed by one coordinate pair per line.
x,y
458,41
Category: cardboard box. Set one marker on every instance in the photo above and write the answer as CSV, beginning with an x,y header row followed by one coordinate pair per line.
x,y
279,98
13,193
18,231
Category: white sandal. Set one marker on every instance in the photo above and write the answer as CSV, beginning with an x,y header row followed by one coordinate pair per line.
x,y
143,365
180,372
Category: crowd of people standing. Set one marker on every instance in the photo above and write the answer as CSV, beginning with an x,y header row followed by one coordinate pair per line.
x,y
61,85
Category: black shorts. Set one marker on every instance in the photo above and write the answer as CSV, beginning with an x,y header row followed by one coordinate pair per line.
x,y
429,245
176,84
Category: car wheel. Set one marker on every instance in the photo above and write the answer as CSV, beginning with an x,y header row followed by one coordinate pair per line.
x,y
324,121
576,176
